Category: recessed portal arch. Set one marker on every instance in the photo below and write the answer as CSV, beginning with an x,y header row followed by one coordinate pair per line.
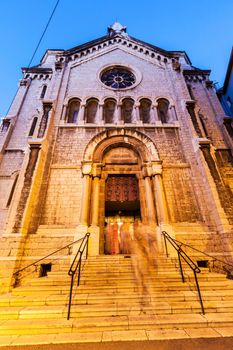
x,y
141,142
119,167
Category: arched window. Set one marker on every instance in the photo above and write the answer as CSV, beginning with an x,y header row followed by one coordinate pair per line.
x,y
73,110
145,110
91,111
163,110
109,110
127,110
33,126
44,88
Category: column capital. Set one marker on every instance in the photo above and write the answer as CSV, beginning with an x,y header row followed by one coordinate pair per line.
x,y
157,169
86,168
96,169
146,170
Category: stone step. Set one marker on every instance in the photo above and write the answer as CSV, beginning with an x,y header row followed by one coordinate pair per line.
x,y
44,283
48,290
94,324
110,298
118,309
120,280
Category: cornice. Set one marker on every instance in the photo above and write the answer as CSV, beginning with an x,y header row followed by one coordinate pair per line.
x,y
196,71
38,70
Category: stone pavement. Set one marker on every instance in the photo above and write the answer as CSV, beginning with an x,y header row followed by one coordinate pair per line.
x,y
169,344
164,339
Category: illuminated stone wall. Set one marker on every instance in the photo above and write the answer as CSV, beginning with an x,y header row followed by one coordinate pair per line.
x,y
185,162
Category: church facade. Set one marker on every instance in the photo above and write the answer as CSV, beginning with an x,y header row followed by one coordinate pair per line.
x,y
113,132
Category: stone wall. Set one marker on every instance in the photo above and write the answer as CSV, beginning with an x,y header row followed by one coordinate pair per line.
x,y
55,186
63,201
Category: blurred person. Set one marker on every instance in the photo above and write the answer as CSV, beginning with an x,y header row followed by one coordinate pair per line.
x,y
144,253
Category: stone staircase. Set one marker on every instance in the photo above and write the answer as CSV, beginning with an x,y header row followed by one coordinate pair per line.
x,y
204,239
108,299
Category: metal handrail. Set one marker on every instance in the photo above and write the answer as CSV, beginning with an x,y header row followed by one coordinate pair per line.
x,y
206,254
15,274
76,266
181,254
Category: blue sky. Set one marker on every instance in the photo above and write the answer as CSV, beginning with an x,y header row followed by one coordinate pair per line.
x,y
202,28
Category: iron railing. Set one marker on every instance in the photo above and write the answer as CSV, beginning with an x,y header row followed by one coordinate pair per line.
x,y
76,268
183,256
213,258
35,263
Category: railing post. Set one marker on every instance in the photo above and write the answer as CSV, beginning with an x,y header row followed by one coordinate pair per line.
x,y
181,269
88,235
79,270
165,243
70,297
199,292
76,266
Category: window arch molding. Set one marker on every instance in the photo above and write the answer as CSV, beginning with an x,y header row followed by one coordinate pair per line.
x,y
125,97
72,97
169,99
91,97
107,97
144,97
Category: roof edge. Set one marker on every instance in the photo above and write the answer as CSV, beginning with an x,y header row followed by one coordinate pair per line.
x,y
228,73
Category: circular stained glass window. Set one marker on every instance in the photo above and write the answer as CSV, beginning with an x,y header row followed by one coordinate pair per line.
x,y
118,78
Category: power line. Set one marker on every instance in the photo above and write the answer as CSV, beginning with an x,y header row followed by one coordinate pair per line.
x,y
50,18
37,46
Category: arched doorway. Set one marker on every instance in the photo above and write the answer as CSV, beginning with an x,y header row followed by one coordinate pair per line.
x,y
121,187
122,207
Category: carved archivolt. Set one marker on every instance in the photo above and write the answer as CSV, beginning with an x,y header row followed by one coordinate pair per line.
x,y
135,140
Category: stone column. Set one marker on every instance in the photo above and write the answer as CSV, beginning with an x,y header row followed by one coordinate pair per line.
x,y
154,113
161,208
86,191
149,200
95,201
81,114
85,199
137,114
118,114
149,195
100,115
96,173
173,116
160,200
